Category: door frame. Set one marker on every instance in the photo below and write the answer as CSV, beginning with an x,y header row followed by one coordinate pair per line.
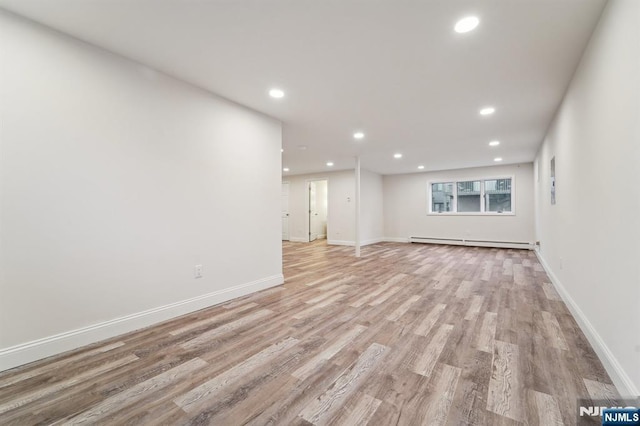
x,y
288,208
307,221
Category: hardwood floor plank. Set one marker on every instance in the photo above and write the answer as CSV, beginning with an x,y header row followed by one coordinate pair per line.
x,y
234,404
231,313
323,279
507,267
293,399
314,308
550,291
130,395
328,353
327,404
358,412
442,282
194,399
445,384
384,296
42,368
554,333
487,332
487,270
338,282
59,386
505,397
402,309
427,360
519,275
430,320
327,294
382,288
601,391
244,321
464,290
547,410
474,309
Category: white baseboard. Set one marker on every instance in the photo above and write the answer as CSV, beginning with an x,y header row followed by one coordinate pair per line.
x,y
52,345
619,377
461,242
305,240
340,242
298,240
371,241
396,239
352,243
473,243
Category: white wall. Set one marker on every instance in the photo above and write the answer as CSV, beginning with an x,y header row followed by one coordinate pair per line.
x,y
589,239
406,206
114,182
340,210
371,209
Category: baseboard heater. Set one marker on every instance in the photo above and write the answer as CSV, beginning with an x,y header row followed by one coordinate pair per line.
x,y
475,243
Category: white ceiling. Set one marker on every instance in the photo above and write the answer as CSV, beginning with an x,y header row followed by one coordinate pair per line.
x,y
394,69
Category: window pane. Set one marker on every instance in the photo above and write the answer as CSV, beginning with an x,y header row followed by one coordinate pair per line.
x,y
497,194
469,196
441,197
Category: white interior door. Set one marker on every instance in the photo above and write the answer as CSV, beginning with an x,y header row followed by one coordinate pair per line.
x,y
285,211
313,213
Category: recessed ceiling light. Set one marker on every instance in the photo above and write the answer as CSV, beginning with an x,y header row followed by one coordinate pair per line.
x,y
358,135
467,24
276,93
281,149
420,167
330,163
487,111
286,169
494,143
497,159
397,155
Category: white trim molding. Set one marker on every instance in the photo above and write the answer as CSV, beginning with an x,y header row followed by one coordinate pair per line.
x,y
341,243
620,378
527,245
298,240
352,243
52,345
396,239
371,241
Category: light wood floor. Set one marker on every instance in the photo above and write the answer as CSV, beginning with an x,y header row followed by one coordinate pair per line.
x,y
408,334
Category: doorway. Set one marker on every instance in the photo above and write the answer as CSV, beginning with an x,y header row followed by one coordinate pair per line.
x,y
317,202
285,211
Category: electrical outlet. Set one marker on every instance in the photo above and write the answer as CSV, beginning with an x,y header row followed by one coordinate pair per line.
x,y
197,271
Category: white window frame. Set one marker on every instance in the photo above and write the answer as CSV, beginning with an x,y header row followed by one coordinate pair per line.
x,y
430,211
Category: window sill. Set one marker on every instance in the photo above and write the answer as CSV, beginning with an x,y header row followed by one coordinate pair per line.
x,y
471,214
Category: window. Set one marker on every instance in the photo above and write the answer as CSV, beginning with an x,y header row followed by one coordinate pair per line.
x,y
469,196
442,197
497,194
481,196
